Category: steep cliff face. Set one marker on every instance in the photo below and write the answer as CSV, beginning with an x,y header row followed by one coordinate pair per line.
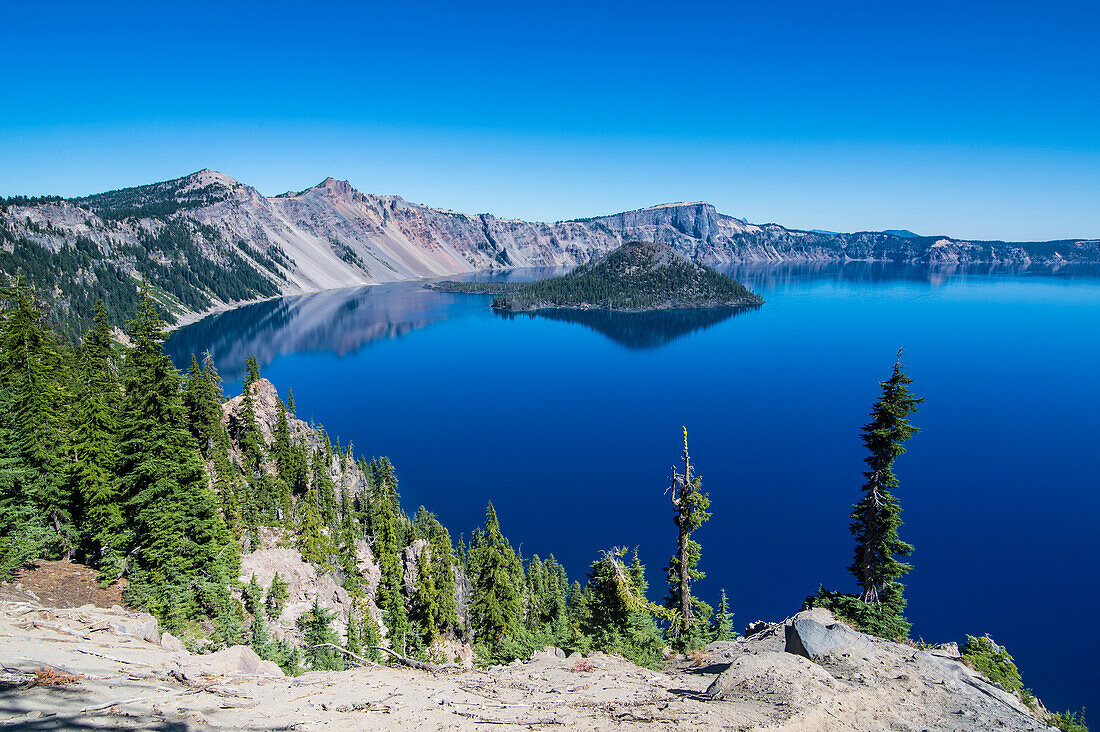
x,y
207,240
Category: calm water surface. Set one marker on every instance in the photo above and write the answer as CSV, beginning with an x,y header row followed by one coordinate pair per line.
x,y
570,426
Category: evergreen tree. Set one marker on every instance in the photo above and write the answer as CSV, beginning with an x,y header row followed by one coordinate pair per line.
x,y
354,635
387,549
313,543
277,594
495,572
691,506
877,516
618,617
253,596
252,371
23,534
324,487
259,638
290,401
442,562
34,370
317,629
202,399
723,620
94,450
175,532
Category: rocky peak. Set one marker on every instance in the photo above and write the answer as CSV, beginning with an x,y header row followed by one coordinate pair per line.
x,y
337,188
207,177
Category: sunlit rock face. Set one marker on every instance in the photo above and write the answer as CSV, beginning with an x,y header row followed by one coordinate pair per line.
x,y
331,236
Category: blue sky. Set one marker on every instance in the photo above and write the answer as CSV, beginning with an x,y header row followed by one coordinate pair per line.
x,y
973,119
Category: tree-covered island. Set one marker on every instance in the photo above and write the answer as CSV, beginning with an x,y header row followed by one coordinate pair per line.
x,y
636,276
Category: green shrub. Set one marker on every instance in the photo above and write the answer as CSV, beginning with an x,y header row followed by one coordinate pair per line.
x,y
1069,721
992,661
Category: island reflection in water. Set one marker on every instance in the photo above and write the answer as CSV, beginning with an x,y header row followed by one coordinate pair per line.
x,y
343,321
640,330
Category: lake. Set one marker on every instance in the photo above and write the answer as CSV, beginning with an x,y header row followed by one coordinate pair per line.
x,y
570,426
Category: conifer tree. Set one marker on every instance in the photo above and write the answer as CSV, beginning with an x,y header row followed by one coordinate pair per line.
x,y
277,594
387,549
353,636
324,488
619,618
494,569
290,401
723,620
202,399
175,532
442,562
94,450
34,370
23,534
259,638
313,542
317,629
252,371
877,516
691,506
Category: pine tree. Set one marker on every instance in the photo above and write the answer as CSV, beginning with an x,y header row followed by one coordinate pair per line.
x,y
290,401
94,449
34,370
202,398
691,512
354,635
23,534
252,371
317,629
277,594
877,516
387,548
618,617
259,638
324,487
175,532
723,620
313,543
496,608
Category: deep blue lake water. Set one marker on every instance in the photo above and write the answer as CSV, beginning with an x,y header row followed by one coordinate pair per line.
x,y
571,428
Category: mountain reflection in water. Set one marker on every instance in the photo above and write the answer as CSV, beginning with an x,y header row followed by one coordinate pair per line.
x,y
338,321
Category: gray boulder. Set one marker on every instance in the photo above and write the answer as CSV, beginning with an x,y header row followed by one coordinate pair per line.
x,y
811,638
170,642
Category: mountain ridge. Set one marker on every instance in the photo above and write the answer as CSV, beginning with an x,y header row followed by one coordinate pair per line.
x,y
207,241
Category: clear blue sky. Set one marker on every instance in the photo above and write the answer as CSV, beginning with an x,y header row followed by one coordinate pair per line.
x,y
974,119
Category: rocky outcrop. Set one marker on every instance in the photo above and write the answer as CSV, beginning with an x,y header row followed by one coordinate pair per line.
x,y
815,672
265,399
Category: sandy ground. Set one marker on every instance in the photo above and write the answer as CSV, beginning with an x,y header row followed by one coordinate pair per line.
x,y
94,667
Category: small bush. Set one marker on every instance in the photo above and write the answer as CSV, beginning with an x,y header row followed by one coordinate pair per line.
x,y
992,661
1069,721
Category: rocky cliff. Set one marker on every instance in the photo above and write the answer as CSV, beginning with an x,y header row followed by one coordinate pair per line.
x,y
207,240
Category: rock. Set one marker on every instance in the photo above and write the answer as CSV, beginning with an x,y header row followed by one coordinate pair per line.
x,y
946,650
757,626
548,652
228,661
812,639
780,678
410,556
137,625
170,642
